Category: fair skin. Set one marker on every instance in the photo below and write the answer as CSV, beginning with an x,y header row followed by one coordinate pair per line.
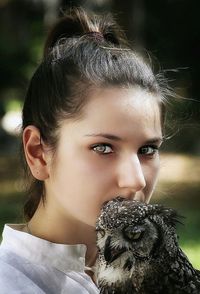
x,y
110,151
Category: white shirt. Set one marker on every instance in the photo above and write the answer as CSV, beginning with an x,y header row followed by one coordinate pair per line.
x,y
30,265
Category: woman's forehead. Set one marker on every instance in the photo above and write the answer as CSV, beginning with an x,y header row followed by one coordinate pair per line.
x,y
120,112
121,100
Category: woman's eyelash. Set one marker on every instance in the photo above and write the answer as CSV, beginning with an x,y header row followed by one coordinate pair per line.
x,y
106,149
148,150
102,148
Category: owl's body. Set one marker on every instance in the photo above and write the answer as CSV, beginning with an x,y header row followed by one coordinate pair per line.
x,y
139,252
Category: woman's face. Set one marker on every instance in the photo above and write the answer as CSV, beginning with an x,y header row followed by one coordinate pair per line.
x,y
111,151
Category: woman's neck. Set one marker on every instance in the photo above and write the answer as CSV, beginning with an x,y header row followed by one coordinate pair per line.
x,y
56,228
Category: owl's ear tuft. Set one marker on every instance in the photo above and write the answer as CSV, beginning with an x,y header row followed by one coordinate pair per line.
x,y
169,215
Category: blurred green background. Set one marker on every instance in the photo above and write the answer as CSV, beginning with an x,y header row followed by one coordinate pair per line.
x,y
169,31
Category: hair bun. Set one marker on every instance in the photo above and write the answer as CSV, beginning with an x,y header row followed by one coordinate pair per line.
x,y
66,27
77,23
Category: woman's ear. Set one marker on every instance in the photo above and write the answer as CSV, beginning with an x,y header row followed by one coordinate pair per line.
x,y
35,153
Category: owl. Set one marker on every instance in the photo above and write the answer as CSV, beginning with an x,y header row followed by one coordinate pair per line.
x,y
138,251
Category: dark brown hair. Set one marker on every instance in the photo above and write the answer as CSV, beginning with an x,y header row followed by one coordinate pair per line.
x,y
81,52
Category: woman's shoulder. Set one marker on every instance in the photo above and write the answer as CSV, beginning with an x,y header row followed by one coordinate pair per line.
x,y
27,262
12,278
19,275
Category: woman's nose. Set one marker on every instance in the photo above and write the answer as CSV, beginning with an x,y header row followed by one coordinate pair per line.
x,y
130,175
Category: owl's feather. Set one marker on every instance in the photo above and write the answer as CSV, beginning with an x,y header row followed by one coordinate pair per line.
x,y
139,251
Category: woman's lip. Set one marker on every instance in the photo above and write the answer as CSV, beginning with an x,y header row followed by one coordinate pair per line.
x,y
122,197
140,197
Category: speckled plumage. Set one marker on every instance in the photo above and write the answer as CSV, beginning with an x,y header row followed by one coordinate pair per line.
x,y
139,251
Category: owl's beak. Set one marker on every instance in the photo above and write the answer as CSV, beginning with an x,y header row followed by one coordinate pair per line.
x,y
110,253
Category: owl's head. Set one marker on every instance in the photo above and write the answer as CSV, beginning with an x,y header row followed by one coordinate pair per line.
x,y
130,234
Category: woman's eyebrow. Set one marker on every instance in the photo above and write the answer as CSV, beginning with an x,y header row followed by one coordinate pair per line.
x,y
105,135
155,140
116,138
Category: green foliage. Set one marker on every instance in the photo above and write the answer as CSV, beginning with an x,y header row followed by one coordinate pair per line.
x,y
11,208
21,41
13,105
192,250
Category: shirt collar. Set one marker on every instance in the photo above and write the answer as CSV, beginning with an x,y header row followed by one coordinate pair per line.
x,y
63,257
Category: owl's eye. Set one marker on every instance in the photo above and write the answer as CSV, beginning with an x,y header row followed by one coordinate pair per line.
x,y
132,233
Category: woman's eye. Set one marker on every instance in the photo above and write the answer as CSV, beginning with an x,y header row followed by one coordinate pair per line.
x,y
148,150
102,148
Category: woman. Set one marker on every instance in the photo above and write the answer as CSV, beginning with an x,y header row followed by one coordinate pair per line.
x,y
92,125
